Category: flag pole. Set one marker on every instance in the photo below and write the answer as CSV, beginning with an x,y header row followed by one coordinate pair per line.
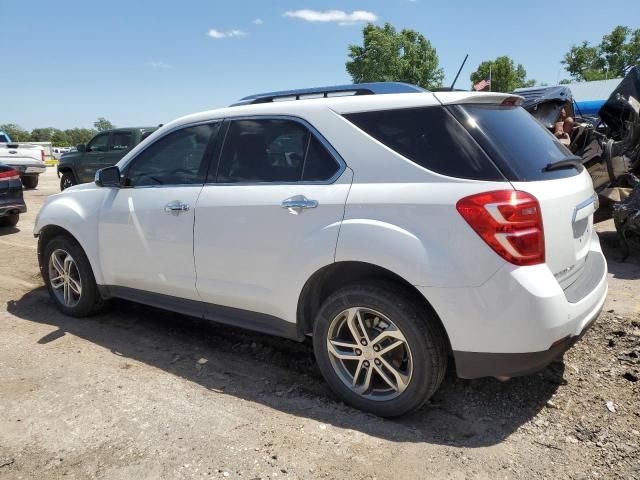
x,y
490,78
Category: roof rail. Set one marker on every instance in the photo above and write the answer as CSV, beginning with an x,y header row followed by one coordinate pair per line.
x,y
375,88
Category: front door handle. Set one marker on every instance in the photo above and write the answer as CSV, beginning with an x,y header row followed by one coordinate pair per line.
x,y
176,207
298,203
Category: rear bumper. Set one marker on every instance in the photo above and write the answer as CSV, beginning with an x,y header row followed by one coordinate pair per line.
x,y
9,208
520,319
29,168
476,365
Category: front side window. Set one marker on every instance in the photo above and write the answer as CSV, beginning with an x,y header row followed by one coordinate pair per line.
x,y
121,141
99,143
273,150
176,159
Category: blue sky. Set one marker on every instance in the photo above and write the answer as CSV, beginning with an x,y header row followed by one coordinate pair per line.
x,y
144,62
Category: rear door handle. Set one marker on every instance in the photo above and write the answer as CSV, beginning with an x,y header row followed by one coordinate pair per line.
x,y
176,206
298,203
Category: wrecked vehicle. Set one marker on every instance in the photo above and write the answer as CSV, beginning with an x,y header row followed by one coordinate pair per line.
x,y
608,145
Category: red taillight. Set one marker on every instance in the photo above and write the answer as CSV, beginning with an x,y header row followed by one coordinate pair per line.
x,y
42,155
509,221
9,175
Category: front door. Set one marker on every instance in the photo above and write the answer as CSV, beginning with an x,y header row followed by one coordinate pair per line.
x,y
270,219
93,157
146,227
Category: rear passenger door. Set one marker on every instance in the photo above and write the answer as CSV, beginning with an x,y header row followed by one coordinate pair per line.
x,y
268,216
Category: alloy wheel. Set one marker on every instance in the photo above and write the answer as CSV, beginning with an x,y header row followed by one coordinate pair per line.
x,y
369,353
64,278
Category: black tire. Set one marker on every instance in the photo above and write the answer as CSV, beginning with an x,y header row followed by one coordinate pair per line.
x,y
67,180
30,181
423,334
9,220
89,301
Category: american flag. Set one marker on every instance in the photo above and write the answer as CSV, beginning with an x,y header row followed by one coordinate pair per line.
x,y
482,84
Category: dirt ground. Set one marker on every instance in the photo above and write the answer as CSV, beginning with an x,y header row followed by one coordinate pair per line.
x,y
138,393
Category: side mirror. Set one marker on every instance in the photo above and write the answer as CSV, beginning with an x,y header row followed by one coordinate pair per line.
x,y
81,148
108,177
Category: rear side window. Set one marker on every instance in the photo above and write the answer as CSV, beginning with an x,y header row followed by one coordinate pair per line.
x,y
273,150
430,137
121,141
517,142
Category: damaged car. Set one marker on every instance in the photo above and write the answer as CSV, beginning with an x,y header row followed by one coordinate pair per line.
x,y
608,145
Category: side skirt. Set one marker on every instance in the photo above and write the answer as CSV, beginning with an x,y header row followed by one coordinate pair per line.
x,y
255,321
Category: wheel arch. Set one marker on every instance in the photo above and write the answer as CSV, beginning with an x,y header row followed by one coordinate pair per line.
x,y
334,276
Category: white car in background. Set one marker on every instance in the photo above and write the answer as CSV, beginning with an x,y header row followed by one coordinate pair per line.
x,y
27,159
397,227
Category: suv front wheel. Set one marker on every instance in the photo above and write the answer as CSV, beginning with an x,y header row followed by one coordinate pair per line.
x,y
67,273
379,349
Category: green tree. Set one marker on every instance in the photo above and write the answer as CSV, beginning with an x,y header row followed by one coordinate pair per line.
x,y
60,139
42,134
103,124
612,57
389,56
16,132
77,136
506,76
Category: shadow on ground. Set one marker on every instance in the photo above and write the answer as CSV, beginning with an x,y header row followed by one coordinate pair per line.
x,y
8,230
283,375
629,269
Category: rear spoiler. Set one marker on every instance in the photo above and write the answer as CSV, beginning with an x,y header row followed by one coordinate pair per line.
x,y
490,98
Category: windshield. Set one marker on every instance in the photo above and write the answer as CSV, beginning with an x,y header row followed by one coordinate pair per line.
x,y
518,143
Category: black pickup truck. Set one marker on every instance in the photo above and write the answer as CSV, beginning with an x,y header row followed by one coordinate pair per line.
x,y
104,150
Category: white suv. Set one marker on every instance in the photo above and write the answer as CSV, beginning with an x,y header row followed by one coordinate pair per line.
x,y
397,227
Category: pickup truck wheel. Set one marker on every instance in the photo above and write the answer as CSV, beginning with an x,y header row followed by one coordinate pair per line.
x,y
379,349
9,220
66,181
67,273
30,181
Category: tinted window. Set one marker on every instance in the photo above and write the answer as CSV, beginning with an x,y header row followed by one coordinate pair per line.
x,y
176,159
3,138
519,144
99,143
121,141
430,137
319,163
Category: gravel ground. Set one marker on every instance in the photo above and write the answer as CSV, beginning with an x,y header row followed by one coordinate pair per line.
x,y
140,393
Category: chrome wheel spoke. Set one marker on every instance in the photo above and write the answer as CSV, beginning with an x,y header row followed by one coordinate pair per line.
x,y
57,282
390,347
401,380
391,333
366,383
342,355
57,264
356,326
74,285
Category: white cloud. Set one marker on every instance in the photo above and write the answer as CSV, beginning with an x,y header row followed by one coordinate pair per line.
x,y
339,16
213,33
258,21
158,65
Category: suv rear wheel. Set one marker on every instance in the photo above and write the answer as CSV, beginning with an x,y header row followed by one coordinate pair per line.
x,y
379,349
69,278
